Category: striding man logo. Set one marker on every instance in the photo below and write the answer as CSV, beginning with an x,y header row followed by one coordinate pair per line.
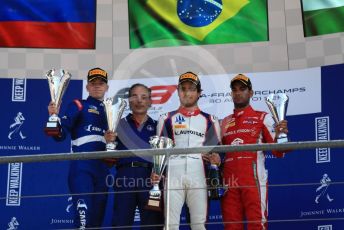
x,y
13,224
15,128
322,190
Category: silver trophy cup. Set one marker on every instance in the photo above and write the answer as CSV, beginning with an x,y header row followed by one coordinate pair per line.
x,y
278,104
159,165
114,113
57,86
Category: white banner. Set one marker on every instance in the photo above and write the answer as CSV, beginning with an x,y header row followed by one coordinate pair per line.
x,y
302,86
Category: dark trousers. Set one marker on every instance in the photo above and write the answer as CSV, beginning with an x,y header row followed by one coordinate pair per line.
x,y
86,178
132,190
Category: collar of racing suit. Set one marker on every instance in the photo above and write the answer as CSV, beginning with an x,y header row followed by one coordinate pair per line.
x,y
240,112
189,113
94,101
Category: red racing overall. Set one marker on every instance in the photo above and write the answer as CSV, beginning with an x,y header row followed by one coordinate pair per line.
x,y
244,172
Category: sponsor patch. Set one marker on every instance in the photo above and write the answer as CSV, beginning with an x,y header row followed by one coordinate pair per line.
x,y
180,119
251,122
93,111
181,126
230,124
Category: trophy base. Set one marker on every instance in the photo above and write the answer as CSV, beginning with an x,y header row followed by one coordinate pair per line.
x,y
111,146
53,128
154,204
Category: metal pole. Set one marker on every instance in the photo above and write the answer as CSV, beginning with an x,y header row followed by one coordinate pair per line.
x,y
174,151
167,206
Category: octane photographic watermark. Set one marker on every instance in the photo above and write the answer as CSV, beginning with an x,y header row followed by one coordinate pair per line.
x,y
130,182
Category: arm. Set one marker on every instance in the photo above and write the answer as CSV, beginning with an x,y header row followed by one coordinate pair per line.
x,y
68,121
213,138
164,127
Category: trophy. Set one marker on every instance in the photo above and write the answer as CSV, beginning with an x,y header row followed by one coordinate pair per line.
x,y
159,165
57,85
278,104
114,113
215,189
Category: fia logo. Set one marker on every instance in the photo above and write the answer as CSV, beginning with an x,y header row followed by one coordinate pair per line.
x,y
325,227
180,119
322,190
13,224
15,128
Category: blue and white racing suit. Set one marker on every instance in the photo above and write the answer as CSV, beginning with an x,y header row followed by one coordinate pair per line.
x,y
186,179
85,121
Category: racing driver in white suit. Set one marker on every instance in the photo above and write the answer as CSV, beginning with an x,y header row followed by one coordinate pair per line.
x,y
189,127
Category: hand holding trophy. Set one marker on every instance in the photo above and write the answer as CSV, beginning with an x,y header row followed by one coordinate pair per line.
x,y
57,86
159,164
278,104
114,113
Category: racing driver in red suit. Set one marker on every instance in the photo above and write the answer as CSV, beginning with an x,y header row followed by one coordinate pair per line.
x,y
244,172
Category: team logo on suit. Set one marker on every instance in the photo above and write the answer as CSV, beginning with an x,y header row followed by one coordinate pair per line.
x,y
180,123
180,119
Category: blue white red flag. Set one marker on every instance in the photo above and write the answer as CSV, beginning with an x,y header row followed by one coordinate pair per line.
x,y
69,24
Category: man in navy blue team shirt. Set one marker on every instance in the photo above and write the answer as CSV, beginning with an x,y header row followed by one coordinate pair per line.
x,y
132,182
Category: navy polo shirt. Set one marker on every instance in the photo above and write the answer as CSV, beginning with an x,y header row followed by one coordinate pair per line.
x,y
130,135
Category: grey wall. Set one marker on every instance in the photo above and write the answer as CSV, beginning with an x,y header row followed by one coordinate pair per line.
x,y
286,49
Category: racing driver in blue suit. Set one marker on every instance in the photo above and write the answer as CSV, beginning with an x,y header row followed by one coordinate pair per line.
x,y
85,121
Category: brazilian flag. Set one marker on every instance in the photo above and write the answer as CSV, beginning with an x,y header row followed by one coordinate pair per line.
x,y
160,23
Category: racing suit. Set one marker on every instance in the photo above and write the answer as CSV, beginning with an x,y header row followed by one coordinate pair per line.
x,y
85,121
186,179
244,172
133,175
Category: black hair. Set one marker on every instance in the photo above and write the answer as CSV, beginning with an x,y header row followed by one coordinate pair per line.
x,y
140,85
